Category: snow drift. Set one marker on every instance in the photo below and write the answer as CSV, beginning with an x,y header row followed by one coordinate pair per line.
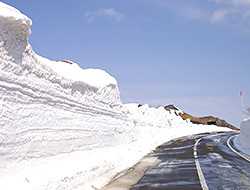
x,y
63,127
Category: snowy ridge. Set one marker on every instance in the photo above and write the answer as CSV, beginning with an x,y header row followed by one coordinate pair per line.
x,y
63,127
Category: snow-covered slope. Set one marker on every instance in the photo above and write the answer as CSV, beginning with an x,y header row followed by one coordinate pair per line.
x,y
63,127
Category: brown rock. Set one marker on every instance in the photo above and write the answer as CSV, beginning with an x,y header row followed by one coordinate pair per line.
x,y
208,120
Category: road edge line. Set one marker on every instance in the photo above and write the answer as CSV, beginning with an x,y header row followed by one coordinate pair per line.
x,y
198,167
229,145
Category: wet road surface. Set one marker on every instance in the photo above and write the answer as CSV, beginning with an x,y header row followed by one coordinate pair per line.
x,y
220,167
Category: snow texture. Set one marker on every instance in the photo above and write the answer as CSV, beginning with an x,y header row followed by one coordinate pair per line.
x,y
245,133
63,127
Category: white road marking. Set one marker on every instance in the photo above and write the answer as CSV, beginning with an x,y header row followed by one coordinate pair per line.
x,y
241,155
198,167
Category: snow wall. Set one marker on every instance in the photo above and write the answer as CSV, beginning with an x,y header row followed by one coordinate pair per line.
x,y
63,127
245,133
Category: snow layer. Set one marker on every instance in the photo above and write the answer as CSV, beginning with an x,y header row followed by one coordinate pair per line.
x,y
63,127
245,133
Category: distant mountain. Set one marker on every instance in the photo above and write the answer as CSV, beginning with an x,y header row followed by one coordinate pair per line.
x,y
207,120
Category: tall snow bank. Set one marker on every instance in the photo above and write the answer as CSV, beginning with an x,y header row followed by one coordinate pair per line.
x,y
63,127
14,22
245,133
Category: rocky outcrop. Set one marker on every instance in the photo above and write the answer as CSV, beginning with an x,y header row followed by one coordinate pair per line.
x,y
208,120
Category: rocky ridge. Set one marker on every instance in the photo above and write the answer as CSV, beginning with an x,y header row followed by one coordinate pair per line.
x,y
207,120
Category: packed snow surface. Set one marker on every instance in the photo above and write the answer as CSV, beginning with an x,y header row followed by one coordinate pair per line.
x,y
63,127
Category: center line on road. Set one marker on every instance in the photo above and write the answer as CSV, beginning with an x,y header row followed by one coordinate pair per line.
x,y
198,167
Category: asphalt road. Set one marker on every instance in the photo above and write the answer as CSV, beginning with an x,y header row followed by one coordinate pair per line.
x,y
202,161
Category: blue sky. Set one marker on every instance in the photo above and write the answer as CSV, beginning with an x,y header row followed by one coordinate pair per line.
x,y
191,53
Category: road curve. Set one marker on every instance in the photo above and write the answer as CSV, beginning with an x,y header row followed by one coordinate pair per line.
x,y
203,161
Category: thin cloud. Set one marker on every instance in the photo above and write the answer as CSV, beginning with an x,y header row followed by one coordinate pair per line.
x,y
236,11
184,9
192,12
233,2
108,13
230,13
219,15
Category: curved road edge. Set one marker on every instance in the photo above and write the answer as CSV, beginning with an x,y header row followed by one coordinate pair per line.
x,y
234,149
